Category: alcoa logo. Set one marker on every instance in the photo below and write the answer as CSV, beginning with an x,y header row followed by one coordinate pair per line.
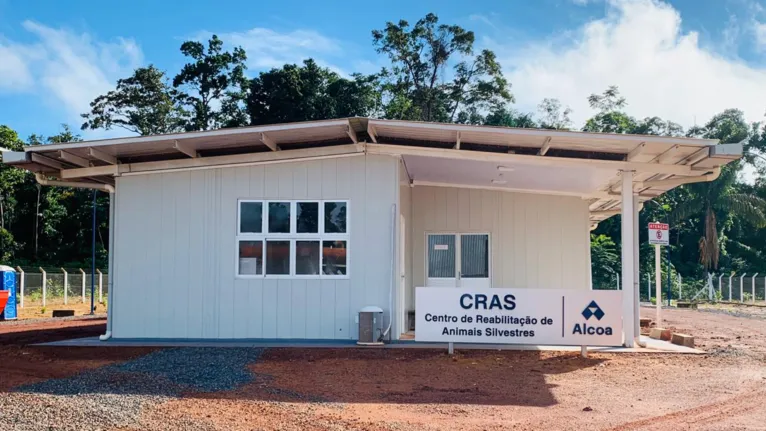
x,y
592,310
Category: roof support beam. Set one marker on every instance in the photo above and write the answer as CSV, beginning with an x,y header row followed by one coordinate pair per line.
x,y
351,134
191,152
93,171
372,133
100,155
47,161
457,141
605,213
667,154
697,156
673,182
546,146
214,161
636,151
75,160
240,159
527,159
268,142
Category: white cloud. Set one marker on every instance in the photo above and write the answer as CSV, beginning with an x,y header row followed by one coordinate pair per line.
x,y
640,47
14,70
760,35
66,69
267,48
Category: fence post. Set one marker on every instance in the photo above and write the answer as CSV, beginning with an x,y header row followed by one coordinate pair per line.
x,y
720,290
45,284
753,289
741,288
21,285
680,288
100,287
66,286
730,277
83,285
710,286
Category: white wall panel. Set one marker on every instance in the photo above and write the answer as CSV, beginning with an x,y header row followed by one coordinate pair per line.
x,y
537,241
176,247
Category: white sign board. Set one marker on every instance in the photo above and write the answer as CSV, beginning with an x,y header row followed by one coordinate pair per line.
x,y
519,316
659,233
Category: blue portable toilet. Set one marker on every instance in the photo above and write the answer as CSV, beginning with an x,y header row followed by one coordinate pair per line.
x,y
8,282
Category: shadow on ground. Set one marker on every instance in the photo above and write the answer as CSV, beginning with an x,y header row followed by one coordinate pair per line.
x,y
412,376
28,332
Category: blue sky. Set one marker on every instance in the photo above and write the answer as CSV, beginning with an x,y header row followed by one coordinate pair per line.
x,y
683,60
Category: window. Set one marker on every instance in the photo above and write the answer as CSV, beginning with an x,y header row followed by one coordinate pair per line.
x,y
279,217
251,257
292,239
250,217
334,257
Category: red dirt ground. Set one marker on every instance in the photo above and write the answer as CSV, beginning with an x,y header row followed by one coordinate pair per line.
x,y
23,364
351,389
484,390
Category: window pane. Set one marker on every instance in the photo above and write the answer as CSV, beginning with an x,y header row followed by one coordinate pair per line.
x,y
277,257
474,256
307,216
307,257
441,256
335,217
279,217
334,257
250,257
250,217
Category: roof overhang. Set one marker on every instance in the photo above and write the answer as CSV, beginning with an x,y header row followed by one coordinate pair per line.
x,y
542,161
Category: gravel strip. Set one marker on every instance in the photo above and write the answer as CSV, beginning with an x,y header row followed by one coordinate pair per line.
x,y
735,312
115,396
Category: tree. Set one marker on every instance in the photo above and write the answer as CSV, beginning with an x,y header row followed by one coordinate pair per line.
x,y
10,179
715,204
415,86
215,85
605,261
309,92
144,103
612,119
712,205
506,116
553,117
658,126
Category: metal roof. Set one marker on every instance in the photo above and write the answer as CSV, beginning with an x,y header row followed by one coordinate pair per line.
x,y
219,147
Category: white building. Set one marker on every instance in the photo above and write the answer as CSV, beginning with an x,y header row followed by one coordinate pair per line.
x,y
286,231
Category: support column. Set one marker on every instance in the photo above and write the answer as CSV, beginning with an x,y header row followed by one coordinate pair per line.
x,y
628,261
636,274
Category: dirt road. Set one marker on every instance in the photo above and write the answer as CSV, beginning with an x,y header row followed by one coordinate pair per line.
x,y
344,389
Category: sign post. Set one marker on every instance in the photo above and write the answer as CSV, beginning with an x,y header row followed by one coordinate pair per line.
x,y
659,236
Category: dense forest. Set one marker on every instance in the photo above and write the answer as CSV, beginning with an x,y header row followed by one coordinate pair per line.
x,y
433,74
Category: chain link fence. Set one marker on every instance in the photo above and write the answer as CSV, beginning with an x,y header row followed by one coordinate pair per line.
x,y
56,287
748,289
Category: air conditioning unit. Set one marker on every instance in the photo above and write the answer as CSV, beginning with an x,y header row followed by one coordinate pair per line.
x,y
370,326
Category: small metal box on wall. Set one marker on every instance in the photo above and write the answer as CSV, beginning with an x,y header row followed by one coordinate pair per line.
x,y
7,293
370,326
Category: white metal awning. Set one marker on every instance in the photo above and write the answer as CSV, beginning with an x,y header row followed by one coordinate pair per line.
x,y
581,164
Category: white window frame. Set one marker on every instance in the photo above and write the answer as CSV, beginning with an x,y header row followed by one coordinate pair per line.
x,y
292,237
